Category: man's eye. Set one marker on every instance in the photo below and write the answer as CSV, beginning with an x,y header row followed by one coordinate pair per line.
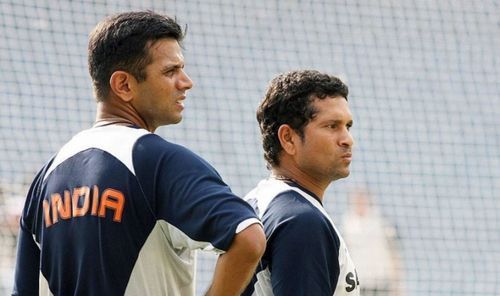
x,y
170,72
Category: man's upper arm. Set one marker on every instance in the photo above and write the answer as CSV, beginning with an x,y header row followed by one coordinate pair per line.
x,y
27,264
27,271
189,194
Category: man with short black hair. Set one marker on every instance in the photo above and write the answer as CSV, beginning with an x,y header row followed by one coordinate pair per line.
x,y
119,210
305,123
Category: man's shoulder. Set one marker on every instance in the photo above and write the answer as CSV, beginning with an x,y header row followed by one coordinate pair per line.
x,y
292,207
152,151
290,214
153,144
275,198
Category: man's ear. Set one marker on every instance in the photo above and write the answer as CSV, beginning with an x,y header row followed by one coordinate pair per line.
x,y
122,85
288,139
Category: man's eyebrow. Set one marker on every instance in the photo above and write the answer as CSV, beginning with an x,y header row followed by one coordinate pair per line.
x,y
339,121
335,120
169,67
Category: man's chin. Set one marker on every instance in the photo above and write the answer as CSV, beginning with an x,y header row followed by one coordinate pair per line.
x,y
341,175
177,120
173,120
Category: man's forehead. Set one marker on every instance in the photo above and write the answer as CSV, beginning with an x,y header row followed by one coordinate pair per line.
x,y
330,101
331,107
164,46
168,51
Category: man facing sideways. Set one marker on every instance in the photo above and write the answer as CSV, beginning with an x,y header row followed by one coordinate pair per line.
x,y
119,210
305,121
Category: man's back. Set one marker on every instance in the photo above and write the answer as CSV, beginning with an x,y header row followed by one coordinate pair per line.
x,y
112,212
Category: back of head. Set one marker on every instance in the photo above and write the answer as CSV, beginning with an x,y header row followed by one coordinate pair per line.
x,y
288,101
122,42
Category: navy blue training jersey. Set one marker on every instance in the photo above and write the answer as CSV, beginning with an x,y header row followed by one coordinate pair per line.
x,y
120,211
305,254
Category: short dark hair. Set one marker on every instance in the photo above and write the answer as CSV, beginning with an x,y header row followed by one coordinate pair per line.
x,y
288,101
122,42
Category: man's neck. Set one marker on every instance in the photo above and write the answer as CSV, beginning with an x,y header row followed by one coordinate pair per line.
x,y
115,111
296,175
